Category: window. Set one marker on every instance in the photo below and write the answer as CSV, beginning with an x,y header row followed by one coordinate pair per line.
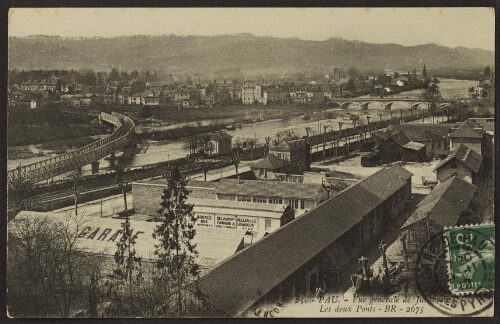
x,y
302,204
275,201
432,144
268,224
262,200
245,198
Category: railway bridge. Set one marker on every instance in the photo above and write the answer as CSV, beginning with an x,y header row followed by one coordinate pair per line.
x,y
122,136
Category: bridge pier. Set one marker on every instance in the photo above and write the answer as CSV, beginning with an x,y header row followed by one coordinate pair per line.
x,y
112,159
95,167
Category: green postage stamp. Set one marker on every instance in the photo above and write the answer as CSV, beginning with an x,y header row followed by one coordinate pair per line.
x,y
471,258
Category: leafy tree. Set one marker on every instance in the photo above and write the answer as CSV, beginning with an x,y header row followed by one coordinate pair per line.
x,y
176,252
432,95
350,85
352,72
90,79
487,72
114,75
134,75
137,86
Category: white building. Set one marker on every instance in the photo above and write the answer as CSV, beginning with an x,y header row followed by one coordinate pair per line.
x,y
250,94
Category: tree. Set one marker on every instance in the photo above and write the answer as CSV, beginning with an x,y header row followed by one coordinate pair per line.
x,y
350,85
236,159
268,140
352,72
76,177
19,192
122,181
90,79
127,274
114,75
205,167
251,142
46,274
176,252
424,72
432,94
134,75
487,72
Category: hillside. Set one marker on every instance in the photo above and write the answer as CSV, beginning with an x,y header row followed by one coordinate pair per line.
x,y
253,54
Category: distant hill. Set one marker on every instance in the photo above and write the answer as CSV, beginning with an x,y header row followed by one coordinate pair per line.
x,y
252,54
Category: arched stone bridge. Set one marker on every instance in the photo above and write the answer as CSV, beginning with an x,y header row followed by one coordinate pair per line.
x,y
385,104
122,136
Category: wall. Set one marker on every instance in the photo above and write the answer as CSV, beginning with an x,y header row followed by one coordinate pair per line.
x,y
446,171
147,198
472,143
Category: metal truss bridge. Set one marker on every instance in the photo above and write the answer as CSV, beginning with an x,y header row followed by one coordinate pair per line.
x,y
121,137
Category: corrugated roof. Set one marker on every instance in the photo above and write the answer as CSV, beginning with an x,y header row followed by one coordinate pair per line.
x,y
201,184
235,284
212,244
269,162
465,155
234,204
420,132
262,188
444,204
466,130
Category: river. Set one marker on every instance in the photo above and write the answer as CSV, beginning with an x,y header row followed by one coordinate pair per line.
x,y
155,152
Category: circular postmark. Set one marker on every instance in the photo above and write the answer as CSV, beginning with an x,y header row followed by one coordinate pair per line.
x,y
434,273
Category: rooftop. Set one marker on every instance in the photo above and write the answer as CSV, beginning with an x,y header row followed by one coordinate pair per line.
x,y
404,141
263,188
464,155
269,162
444,204
289,144
420,132
212,244
466,130
238,207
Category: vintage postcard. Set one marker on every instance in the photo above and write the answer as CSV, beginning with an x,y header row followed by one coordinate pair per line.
x,y
251,162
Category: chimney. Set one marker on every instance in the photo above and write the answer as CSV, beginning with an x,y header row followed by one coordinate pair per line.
x,y
239,180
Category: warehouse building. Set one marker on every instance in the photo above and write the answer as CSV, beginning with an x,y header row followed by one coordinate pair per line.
x,y
287,263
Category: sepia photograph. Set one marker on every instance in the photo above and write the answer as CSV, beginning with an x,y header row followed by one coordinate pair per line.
x,y
250,162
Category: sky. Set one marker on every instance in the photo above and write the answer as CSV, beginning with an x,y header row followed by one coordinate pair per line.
x,y
452,27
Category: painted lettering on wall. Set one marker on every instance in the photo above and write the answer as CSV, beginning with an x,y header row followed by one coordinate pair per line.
x,y
225,222
247,223
205,220
99,234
